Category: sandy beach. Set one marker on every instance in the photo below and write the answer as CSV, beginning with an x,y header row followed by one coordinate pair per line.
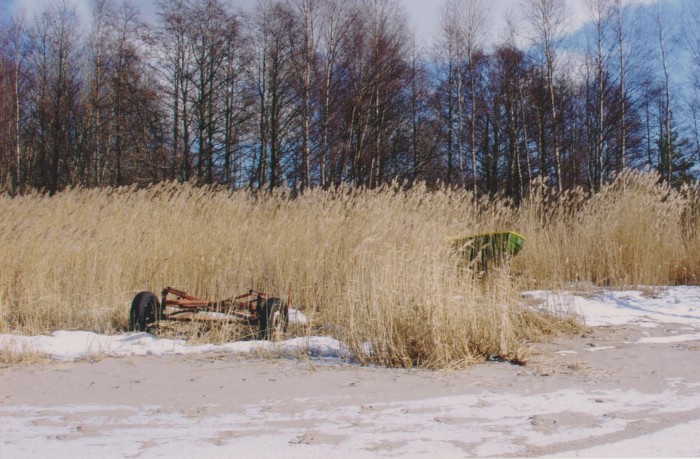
x,y
616,391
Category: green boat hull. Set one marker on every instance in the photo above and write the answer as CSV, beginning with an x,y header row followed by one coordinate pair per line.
x,y
489,248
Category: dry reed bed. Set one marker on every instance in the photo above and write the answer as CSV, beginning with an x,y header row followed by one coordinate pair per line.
x,y
367,266
635,231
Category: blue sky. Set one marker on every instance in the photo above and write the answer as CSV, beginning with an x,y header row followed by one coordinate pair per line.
x,y
424,15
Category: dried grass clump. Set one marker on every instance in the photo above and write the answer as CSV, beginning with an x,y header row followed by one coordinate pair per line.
x,y
15,353
370,267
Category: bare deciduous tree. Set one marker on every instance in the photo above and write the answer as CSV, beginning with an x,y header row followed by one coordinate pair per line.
x,y
55,59
547,19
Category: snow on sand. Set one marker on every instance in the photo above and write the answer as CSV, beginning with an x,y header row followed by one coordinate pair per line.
x,y
646,308
637,395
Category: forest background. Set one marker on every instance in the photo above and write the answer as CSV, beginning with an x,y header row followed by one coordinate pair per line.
x,y
305,93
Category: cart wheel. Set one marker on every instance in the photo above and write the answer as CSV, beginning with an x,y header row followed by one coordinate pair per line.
x,y
273,318
145,311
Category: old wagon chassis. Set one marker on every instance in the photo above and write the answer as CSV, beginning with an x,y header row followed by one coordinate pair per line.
x,y
269,313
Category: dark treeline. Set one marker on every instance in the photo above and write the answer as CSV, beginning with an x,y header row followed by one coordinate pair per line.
x,y
308,93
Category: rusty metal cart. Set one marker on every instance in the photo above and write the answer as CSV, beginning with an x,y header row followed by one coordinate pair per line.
x,y
269,313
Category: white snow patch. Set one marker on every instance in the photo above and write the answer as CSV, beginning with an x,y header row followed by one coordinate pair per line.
x,y
669,339
646,307
295,316
601,348
73,345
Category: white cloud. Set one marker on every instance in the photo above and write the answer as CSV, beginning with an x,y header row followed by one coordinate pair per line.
x,y
30,8
83,7
423,15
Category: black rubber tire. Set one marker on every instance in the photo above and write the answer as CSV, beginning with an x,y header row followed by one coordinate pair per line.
x,y
145,311
273,318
